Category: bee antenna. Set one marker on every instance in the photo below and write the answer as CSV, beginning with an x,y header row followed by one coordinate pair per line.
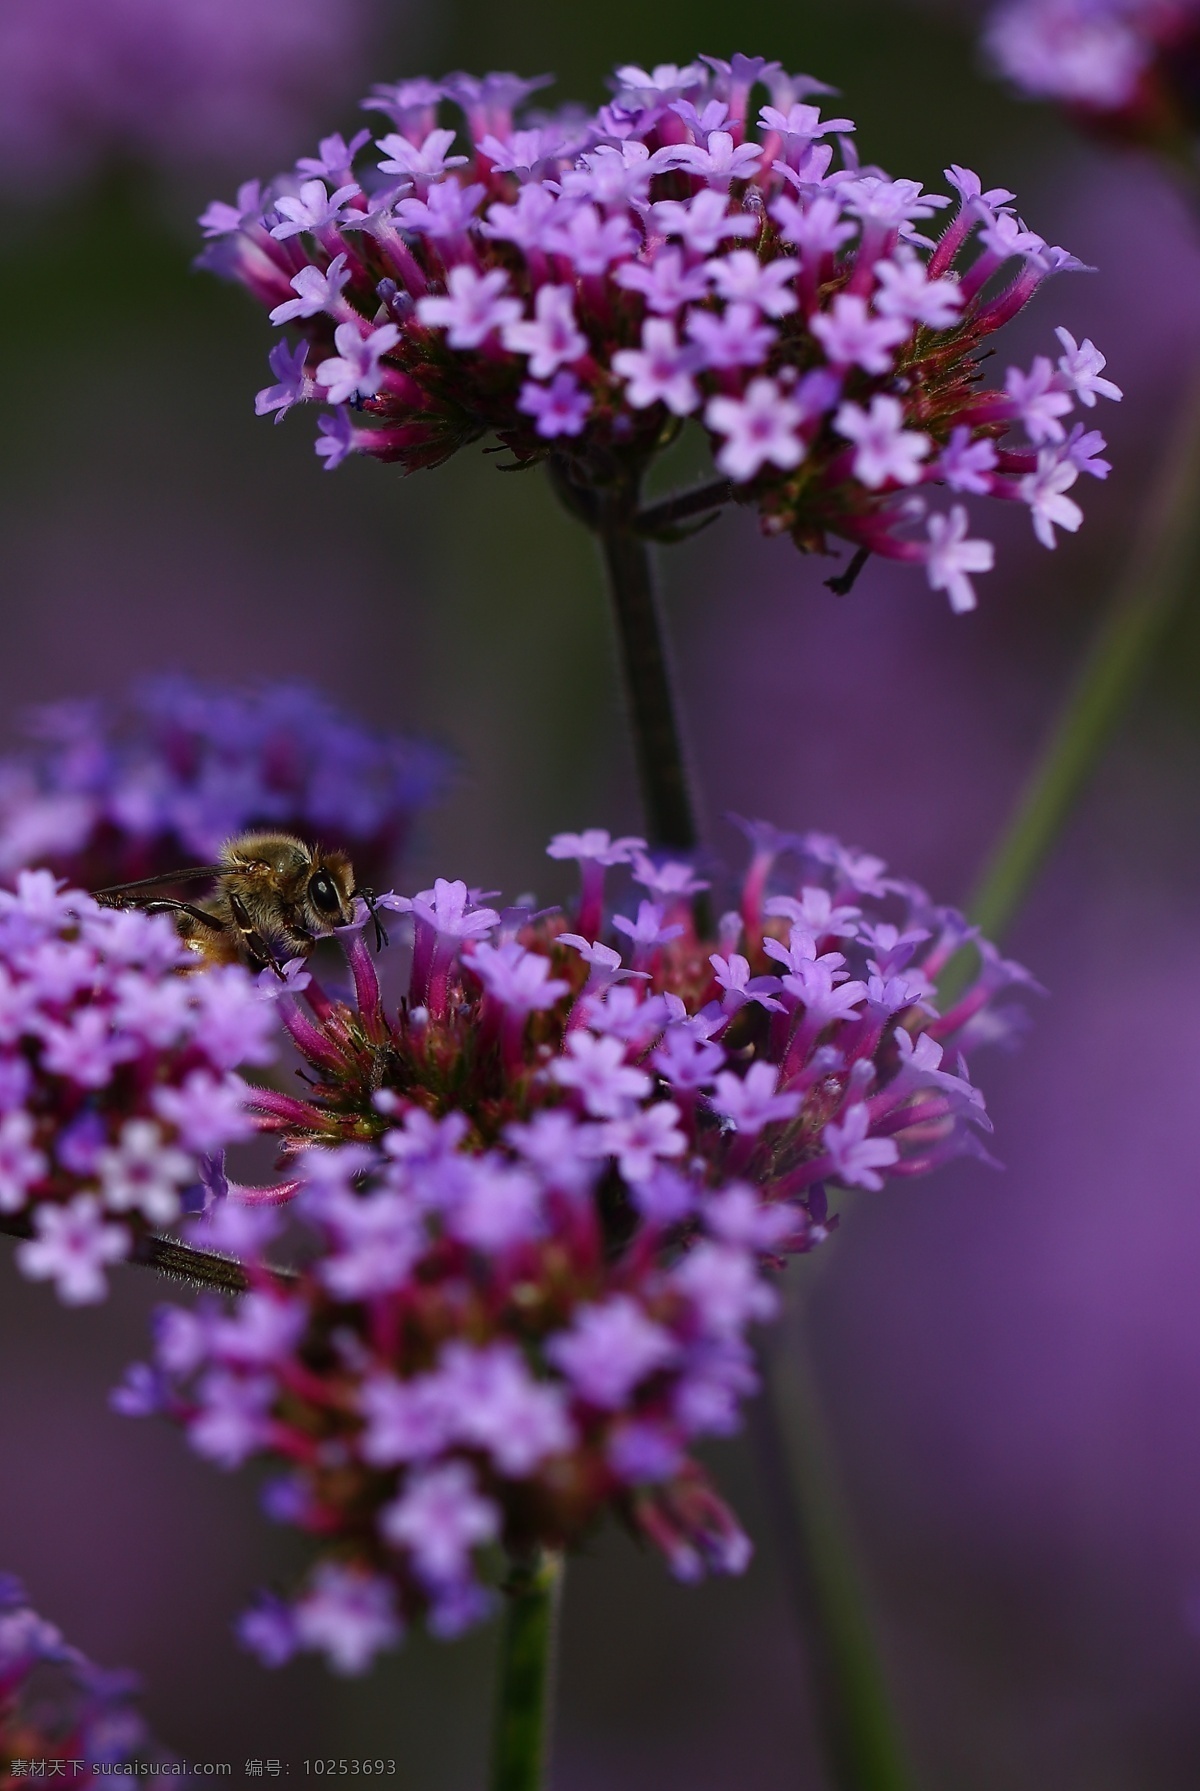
x,y
381,938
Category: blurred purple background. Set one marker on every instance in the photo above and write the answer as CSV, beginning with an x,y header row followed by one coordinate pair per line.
x,y
1010,1362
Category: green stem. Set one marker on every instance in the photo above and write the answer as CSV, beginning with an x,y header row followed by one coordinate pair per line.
x,y
521,1741
852,1713
657,745
1159,572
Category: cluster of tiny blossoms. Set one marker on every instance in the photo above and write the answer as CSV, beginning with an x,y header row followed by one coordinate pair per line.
x,y
116,1078
1126,66
580,286
546,1197
104,794
55,1706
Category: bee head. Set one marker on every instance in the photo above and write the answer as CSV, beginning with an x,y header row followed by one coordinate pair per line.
x,y
328,893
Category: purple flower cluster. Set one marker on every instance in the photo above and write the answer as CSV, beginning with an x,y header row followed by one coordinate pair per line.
x,y
545,1198
56,1706
104,795
117,1077
582,286
1128,65
192,83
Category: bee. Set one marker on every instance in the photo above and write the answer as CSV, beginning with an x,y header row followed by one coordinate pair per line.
x,y
275,897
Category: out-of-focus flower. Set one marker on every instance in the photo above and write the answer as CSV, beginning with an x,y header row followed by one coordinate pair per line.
x,y
1125,67
580,286
105,795
192,84
545,1200
117,1078
56,1706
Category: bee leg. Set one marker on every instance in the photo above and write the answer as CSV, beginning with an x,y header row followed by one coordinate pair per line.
x,y
165,905
258,953
381,938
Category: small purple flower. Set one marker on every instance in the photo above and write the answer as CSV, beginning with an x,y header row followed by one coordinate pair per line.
x,y
760,430
1038,401
316,290
207,1111
1045,492
420,162
518,979
850,336
609,1350
666,282
73,1246
750,1102
313,209
735,337
337,438
905,290
500,1408
856,1158
720,161
348,1617
661,370
473,308
704,222
354,370
965,464
884,450
439,1519
950,558
231,1422
641,1140
596,1069
552,339
288,364
405,1420
561,408
742,278
1083,448
448,909
142,1173
595,845
1081,366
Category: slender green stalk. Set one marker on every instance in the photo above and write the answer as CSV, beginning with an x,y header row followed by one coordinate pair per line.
x,y
817,1552
852,1712
657,744
521,1740
1161,570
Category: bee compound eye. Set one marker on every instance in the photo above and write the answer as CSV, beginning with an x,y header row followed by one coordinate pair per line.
x,y
323,893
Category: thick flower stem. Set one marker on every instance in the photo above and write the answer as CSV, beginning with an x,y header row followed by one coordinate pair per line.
x,y
521,1740
658,748
1161,570
851,1712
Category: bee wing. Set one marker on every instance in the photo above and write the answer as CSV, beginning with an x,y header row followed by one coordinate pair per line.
x,y
191,875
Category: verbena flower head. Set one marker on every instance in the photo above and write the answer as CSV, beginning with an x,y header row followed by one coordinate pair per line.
x,y
56,1706
707,247
1124,66
545,1199
106,794
196,83
117,1078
